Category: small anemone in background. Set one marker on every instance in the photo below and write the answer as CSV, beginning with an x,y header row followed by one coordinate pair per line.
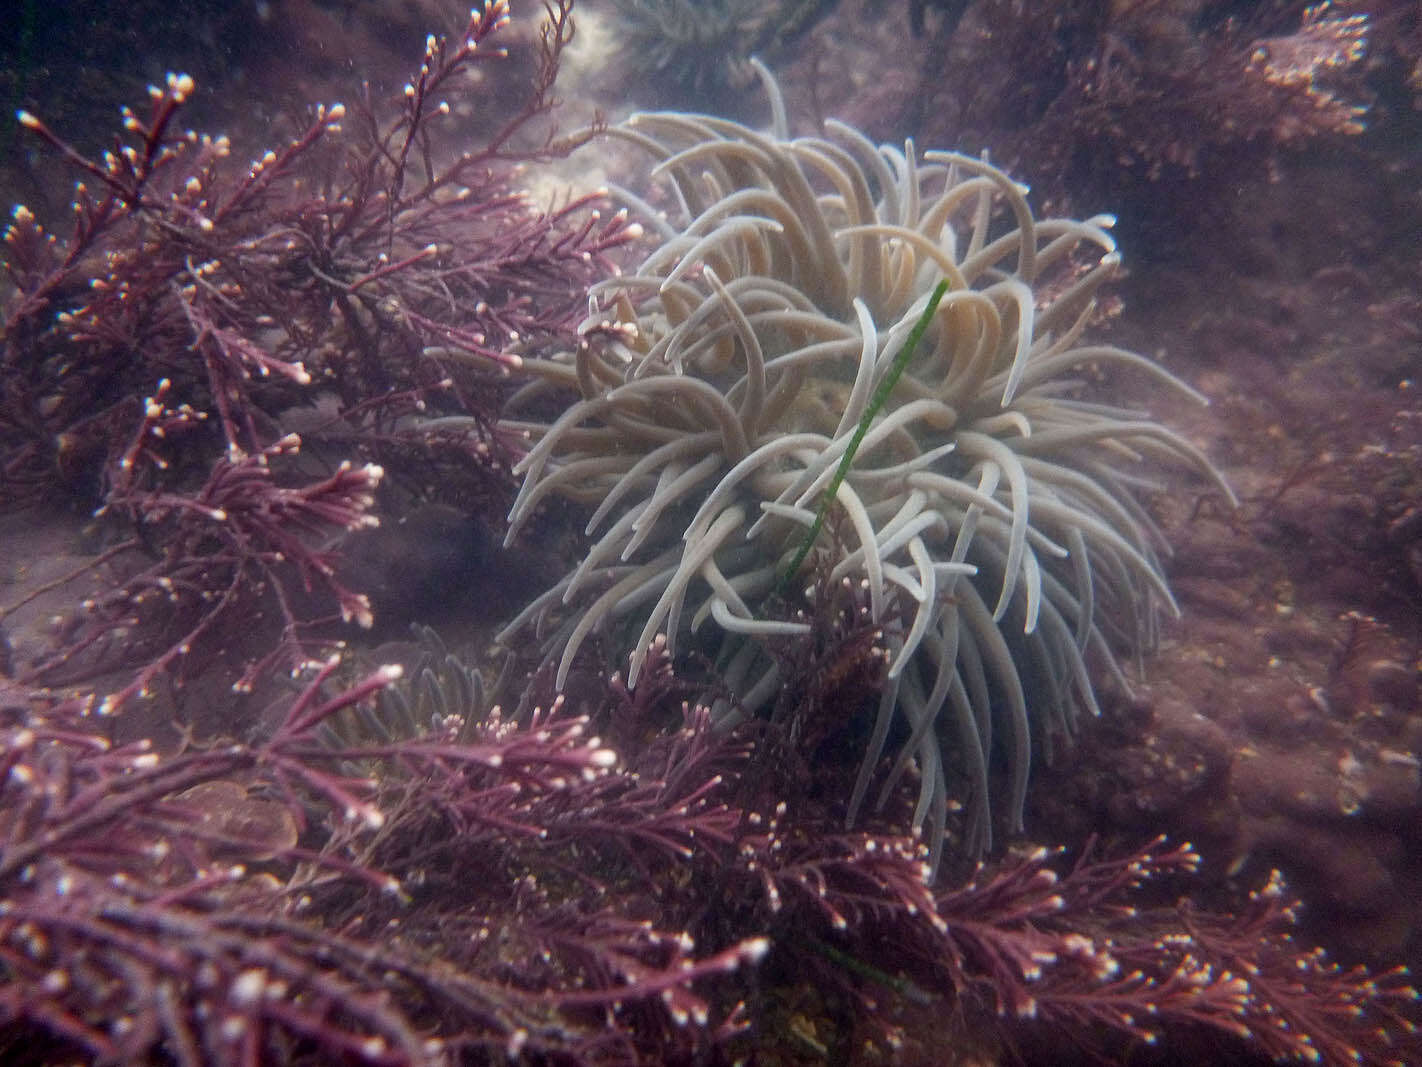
x,y
437,693
761,370
701,46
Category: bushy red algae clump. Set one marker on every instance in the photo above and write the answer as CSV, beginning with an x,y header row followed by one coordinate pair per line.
x,y
363,281
496,889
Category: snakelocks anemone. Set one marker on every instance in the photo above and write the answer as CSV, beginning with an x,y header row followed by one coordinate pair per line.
x,y
992,514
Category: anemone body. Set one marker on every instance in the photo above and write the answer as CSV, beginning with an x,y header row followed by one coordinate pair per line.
x,y
993,516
